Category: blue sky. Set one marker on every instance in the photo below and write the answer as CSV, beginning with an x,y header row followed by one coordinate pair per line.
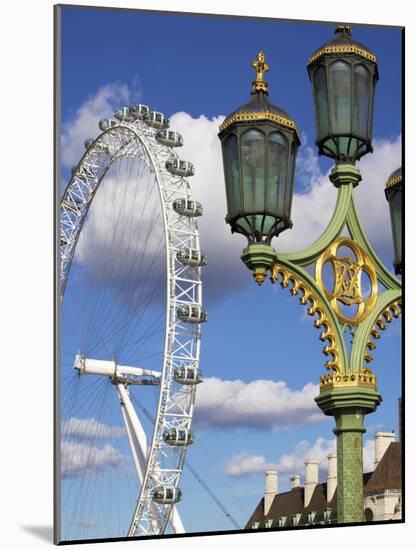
x,y
198,70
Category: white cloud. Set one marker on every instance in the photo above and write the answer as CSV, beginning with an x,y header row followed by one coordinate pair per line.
x,y
260,404
368,455
84,124
289,464
312,210
224,272
78,459
370,197
293,463
244,464
90,428
122,242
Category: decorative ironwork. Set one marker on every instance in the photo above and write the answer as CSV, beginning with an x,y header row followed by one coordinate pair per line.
x,y
392,311
316,308
393,181
347,48
365,379
265,115
347,280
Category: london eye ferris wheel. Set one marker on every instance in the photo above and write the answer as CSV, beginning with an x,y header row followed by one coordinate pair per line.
x,y
131,311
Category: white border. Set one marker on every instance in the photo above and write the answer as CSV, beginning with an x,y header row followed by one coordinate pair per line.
x,y
27,297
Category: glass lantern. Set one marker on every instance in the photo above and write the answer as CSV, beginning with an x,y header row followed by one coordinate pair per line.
x,y
343,75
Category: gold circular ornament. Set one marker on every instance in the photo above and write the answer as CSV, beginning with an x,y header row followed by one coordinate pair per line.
x,y
347,280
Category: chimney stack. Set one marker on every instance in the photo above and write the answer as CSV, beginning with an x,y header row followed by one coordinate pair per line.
x,y
382,442
311,480
295,481
271,489
331,475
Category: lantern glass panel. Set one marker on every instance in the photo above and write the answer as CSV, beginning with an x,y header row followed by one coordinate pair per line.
x,y
395,205
290,179
322,109
340,75
277,171
361,89
253,170
232,175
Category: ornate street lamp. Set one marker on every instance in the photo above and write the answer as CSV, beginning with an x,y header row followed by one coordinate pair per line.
x,y
259,172
393,192
259,146
343,75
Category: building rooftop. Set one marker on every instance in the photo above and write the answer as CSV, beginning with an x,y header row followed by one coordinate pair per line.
x,y
290,504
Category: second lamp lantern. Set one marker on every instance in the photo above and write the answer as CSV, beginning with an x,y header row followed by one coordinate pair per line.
x,y
344,74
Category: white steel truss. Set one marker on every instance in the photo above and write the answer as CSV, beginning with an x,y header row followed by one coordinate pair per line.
x,y
159,463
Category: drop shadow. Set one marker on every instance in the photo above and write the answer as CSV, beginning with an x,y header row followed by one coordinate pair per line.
x,y
43,532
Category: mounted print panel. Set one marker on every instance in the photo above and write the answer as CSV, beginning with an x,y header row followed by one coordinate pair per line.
x,y
229,274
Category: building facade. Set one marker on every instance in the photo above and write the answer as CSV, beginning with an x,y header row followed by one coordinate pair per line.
x,y
315,503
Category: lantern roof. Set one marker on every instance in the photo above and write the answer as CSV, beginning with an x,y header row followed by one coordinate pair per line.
x,y
259,108
394,178
343,44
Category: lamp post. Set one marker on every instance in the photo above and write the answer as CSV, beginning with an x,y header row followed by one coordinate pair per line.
x,y
259,146
393,192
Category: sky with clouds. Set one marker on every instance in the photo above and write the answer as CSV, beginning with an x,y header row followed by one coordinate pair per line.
x,y
261,356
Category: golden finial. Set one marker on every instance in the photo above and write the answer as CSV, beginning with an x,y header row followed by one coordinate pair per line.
x,y
343,29
261,67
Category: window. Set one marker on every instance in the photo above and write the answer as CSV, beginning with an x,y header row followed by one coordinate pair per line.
x,y
369,514
327,514
281,521
296,519
311,516
268,523
255,525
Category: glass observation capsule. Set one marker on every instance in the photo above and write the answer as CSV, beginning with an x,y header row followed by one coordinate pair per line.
x,y
343,74
192,257
156,120
191,313
180,167
178,437
169,138
188,376
123,114
166,494
64,241
107,123
187,207
259,147
137,110
98,147
393,192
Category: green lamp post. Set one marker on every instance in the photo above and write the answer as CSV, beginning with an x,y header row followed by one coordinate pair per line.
x,y
393,192
259,146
